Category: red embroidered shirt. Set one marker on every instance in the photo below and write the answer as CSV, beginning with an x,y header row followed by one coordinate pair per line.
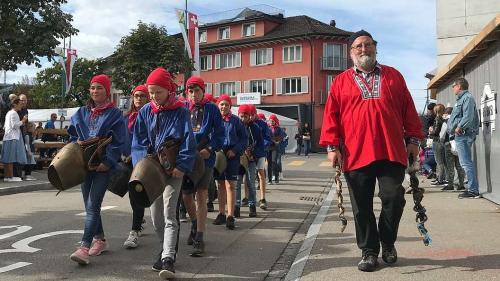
x,y
370,121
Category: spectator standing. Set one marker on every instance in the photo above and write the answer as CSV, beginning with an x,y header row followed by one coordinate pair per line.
x,y
13,150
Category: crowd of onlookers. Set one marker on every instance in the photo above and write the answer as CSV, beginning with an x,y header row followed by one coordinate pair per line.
x,y
450,133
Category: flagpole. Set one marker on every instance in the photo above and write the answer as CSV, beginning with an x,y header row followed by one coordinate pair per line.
x,y
186,72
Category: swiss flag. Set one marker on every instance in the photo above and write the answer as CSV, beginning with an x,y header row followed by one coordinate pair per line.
x,y
193,21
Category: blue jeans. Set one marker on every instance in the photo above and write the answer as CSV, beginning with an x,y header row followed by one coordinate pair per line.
x,y
464,149
307,147
93,190
250,178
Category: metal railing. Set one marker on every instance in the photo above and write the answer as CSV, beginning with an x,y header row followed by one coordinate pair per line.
x,y
334,63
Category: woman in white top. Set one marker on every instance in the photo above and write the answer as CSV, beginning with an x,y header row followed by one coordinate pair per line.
x,y
13,148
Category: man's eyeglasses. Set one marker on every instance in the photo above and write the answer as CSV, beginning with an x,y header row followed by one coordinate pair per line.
x,y
359,47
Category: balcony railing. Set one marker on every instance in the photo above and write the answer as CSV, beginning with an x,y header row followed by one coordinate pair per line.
x,y
334,63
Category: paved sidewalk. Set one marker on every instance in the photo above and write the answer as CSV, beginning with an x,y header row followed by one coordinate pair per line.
x,y
465,233
42,183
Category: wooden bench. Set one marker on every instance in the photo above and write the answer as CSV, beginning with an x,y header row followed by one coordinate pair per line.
x,y
39,144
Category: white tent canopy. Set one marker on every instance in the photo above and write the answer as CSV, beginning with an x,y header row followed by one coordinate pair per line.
x,y
43,115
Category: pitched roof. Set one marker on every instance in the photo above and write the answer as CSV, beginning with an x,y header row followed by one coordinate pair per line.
x,y
296,26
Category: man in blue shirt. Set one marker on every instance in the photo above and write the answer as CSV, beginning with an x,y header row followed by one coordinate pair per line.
x,y
49,137
463,125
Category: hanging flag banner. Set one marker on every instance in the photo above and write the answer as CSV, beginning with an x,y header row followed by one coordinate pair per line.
x,y
191,37
67,64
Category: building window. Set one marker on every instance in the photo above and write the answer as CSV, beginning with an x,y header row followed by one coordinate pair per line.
x,y
248,29
292,54
224,33
334,56
292,85
203,36
261,56
205,63
230,88
329,81
228,60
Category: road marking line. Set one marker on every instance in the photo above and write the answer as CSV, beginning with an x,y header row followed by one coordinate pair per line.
x,y
22,246
297,163
295,272
20,229
102,209
13,266
325,164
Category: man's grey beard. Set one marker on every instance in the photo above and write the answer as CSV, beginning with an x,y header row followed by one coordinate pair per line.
x,y
365,62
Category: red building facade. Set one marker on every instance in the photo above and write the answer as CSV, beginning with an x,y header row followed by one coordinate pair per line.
x,y
291,61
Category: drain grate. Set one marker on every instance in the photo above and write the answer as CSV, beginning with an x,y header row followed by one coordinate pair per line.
x,y
311,199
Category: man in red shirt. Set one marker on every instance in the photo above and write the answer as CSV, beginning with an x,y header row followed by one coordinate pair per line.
x,y
368,116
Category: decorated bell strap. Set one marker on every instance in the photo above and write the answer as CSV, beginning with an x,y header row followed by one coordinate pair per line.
x,y
167,154
340,198
100,144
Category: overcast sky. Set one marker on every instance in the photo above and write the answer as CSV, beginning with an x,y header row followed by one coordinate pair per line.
x,y
405,29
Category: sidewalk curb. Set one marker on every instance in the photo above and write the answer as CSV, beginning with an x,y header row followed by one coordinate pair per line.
x,y
25,188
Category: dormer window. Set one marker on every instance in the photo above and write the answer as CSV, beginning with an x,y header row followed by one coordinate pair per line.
x,y
203,36
224,33
248,29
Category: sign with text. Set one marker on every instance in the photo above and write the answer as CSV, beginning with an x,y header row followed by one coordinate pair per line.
x,y
248,98
488,106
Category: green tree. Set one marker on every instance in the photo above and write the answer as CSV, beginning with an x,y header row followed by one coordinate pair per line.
x,y
47,91
31,29
144,49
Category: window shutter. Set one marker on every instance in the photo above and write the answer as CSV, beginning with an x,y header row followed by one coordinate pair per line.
x,y
238,59
324,49
269,86
209,62
278,86
269,55
298,54
217,61
217,90
246,86
304,84
237,87
344,57
208,88
252,57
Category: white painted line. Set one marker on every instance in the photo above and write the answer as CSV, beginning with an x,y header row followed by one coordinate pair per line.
x,y
13,266
20,229
22,246
295,272
102,209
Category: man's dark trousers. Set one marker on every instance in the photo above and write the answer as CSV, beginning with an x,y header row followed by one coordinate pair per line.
x,y
361,183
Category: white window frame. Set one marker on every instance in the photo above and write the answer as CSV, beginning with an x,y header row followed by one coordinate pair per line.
x,y
281,85
219,88
342,56
208,88
264,54
220,34
329,82
294,48
266,85
203,36
208,63
233,57
251,25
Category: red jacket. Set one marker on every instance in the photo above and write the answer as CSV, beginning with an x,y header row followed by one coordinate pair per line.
x,y
370,128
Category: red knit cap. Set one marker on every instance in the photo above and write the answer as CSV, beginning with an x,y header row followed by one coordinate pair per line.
x,y
262,116
104,81
225,98
254,109
161,77
275,119
245,108
210,97
141,88
196,80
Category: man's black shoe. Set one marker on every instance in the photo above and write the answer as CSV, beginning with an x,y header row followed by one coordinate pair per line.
x,y
210,207
389,255
230,223
469,195
220,219
460,188
447,187
167,270
237,211
437,183
199,248
244,202
157,265
368,263
252,211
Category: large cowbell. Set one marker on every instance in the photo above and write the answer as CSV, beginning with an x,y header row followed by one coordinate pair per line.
x,y
148,181
220,162
119,177
68,167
